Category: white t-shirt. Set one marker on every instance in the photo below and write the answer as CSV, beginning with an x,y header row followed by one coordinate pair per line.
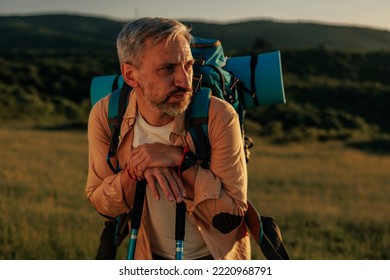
x,y
162,212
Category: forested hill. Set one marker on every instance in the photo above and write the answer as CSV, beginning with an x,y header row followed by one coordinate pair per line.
x,y
75,32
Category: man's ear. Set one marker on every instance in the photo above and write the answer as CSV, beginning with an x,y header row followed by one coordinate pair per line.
x,y
129,74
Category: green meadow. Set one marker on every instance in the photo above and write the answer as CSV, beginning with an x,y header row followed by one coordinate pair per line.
x,y
329,199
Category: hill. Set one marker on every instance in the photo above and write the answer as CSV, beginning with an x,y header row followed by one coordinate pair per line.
x,y
286,36
82,32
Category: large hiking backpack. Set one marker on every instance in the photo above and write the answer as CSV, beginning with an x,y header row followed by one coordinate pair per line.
x,y
213,74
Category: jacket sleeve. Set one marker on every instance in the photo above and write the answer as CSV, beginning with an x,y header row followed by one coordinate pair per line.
x,y
220,193
104,188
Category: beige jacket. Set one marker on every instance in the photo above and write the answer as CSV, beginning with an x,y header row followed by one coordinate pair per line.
x,y
220,193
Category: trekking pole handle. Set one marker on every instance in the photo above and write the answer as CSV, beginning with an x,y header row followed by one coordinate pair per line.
x,y
136,215
138,204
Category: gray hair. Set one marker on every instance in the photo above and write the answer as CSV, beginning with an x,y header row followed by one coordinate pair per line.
x,y
131,39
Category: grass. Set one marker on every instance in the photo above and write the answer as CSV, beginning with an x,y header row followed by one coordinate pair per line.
x,y
329,199
44,213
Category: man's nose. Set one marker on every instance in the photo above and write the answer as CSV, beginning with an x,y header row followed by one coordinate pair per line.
x,y
183,78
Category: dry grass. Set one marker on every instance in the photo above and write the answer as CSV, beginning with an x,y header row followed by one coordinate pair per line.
x,y
329,200
43,209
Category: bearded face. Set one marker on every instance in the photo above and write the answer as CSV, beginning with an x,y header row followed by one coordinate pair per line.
x,y
172,102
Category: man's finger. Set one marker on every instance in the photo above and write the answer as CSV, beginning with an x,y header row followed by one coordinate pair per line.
x,y
152,185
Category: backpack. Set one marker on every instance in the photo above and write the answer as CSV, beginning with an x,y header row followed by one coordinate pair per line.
x,y
213,74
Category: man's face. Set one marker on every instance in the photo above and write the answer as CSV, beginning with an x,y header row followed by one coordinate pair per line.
x,y
165,75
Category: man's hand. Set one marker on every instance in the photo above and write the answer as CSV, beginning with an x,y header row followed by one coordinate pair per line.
x,y
169,181
152,155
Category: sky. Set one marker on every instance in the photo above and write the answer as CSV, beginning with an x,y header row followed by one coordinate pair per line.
x,y
366,13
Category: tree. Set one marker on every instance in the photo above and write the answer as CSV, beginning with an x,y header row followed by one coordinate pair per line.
x,y
262,45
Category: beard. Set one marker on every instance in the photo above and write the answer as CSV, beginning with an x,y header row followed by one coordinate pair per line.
x,y
162,103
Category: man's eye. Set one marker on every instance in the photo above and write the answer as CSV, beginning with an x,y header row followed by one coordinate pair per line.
x,y
166,70
189,65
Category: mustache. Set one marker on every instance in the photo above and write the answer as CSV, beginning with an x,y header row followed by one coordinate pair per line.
x,y
180,90
177,91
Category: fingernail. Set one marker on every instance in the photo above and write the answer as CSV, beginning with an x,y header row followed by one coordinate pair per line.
x,y
170,198
184,194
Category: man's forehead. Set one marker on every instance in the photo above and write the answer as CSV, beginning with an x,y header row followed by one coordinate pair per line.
x,y
178,49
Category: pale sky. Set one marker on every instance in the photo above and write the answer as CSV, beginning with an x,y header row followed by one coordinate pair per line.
x,y
371,13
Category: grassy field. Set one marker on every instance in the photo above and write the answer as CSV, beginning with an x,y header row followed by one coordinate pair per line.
x,y
330,200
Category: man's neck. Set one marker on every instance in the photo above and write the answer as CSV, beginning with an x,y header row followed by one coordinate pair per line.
x,y
151,115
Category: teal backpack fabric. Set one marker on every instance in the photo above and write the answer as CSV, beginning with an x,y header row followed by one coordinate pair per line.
x,y
223,83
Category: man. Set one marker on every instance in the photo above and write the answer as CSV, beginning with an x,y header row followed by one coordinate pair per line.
x,y
156,61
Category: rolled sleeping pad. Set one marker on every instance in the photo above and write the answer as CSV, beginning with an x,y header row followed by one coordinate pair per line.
x,y
262,74
102,86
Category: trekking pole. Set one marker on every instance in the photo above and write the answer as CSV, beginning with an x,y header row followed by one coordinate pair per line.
x,y
180,229
136,217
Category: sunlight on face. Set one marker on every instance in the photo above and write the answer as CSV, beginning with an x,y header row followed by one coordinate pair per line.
x,y
166,76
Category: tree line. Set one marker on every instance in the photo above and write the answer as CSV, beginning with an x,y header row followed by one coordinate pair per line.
x,y
330,94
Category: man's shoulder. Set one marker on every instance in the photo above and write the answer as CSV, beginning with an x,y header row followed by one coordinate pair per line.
x,y
219,105
100,108
221,112
102,103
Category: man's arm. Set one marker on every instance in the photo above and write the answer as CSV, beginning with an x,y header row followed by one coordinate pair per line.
x,y
104,189
220,193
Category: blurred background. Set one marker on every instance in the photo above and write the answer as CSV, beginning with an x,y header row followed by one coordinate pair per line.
x,y
320,163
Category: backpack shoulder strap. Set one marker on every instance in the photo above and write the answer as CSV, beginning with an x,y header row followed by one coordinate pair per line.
x,y
113,104
116,110
117,106
198,124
